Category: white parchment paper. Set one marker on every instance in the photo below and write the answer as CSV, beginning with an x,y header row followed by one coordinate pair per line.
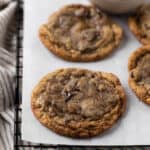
x,y
132,129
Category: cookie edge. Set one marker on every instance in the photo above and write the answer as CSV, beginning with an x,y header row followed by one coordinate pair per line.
x,y
60,52
138,90
136,30
67,132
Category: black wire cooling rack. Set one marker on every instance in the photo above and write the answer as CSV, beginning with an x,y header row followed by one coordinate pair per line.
x,y
22,145
18,143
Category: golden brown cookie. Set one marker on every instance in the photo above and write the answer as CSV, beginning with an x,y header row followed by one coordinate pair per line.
x,y
140,24
80,33
77,102
139,68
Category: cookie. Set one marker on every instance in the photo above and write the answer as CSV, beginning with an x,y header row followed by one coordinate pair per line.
x,y
140,24
139,68
78,103
80,33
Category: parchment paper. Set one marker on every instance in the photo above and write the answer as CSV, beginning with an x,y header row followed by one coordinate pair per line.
x,y
132,129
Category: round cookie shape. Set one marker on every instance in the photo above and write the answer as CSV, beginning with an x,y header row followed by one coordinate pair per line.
x,y
80,33
139,68
78,103
139,24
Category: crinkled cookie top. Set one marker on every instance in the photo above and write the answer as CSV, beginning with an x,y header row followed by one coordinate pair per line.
x,y
143,17
141,74
77,95
84,29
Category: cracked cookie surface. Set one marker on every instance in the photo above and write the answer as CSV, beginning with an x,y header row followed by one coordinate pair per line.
x,y
139,68
140,24
78,102
80,33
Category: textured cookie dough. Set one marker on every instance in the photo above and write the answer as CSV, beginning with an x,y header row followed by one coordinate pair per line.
x,y
78,103
139,68
140,24
80,33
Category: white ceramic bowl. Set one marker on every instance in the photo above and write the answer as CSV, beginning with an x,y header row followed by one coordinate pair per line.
x,y
118,6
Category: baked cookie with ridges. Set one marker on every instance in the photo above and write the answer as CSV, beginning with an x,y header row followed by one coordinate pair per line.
x,y
139,68
80,33
78,103
139,24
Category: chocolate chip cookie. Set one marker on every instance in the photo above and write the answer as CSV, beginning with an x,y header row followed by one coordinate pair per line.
x,y
78,103
140,24
80,33
139,68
